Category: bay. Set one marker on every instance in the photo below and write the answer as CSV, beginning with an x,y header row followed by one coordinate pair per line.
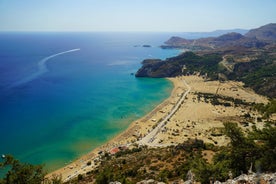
x,y
64,94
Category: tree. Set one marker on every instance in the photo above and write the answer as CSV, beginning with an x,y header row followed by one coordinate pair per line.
x,y
21,173
243,150
234,133
266,139
55,179
104,176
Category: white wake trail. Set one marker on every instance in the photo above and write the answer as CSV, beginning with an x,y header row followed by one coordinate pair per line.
x,y
42,68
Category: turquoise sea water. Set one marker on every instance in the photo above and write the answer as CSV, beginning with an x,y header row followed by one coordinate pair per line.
x,y
63,94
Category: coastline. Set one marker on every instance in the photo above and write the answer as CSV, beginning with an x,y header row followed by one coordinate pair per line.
x,y
180,117
125,138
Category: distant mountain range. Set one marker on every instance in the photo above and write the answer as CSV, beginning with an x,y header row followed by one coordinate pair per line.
x,y
196,35
258,38
249,58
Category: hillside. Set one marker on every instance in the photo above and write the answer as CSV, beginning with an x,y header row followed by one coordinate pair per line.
x,y
191,161
266,32
216,33
185,63
228,57
259,73
255,38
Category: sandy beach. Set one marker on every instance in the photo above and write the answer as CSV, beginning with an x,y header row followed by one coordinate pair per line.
x,y
181,117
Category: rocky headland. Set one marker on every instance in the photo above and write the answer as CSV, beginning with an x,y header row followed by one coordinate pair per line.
x,y
249,58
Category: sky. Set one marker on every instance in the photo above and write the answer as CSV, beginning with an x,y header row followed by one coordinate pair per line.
x,y
135,15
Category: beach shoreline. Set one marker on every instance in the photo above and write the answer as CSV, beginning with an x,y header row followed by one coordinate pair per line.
x,y
124,138
180,117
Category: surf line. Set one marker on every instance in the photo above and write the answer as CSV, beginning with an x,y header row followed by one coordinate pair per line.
x,y
42,68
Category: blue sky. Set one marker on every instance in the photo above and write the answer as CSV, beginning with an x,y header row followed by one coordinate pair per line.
x,y
134,15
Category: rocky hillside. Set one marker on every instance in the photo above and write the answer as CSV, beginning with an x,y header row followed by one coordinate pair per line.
x,y
224,41
250,59
186,63
266,32
178,41
257,73
255,38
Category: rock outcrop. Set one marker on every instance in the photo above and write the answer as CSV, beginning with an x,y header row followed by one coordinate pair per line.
x,y
242,179
252,179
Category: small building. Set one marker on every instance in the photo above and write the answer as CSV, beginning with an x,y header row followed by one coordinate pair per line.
x,y
114,151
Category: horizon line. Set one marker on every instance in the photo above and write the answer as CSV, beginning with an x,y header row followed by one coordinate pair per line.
x,y
87,31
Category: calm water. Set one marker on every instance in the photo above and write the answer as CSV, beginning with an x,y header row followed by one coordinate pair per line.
x,y
63,94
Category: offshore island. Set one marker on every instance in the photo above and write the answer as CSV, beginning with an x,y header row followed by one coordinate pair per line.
x,y
217,125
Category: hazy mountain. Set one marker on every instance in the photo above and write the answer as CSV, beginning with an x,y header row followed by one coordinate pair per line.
x,y
266,32
196,35
256,38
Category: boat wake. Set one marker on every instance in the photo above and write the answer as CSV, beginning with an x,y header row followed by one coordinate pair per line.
x,y
42,68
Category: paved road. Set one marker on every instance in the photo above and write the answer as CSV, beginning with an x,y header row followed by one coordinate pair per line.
x,y
150,137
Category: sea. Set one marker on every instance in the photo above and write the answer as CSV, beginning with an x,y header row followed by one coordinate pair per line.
x,y
62,94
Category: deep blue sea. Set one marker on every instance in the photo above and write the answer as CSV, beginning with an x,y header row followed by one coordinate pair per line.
x,y
63,94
